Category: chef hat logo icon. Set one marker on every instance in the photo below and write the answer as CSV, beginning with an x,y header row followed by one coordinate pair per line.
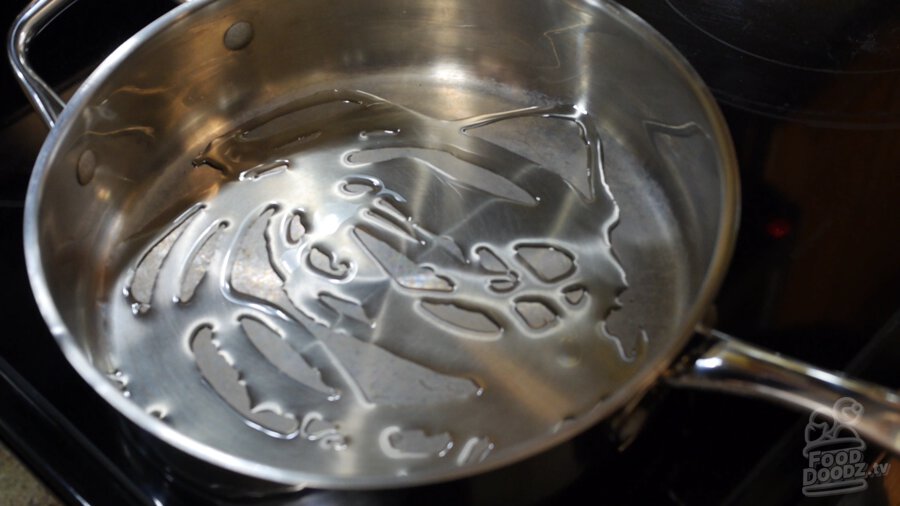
x,y
832,430
834,451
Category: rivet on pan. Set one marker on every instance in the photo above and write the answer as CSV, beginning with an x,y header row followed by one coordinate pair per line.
x,y
238,35
87,165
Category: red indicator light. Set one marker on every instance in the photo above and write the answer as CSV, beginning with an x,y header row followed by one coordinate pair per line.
x,y
778,228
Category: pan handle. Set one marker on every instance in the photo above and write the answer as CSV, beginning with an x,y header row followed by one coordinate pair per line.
x,y
730,365
34,18
29,23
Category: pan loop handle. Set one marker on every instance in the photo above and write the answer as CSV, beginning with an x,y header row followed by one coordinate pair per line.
x,y
30,23
732,366
36,16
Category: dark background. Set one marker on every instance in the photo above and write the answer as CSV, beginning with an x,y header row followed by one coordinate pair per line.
x,y
81,36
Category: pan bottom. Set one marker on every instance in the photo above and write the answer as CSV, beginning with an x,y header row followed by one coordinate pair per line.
x,y
378,284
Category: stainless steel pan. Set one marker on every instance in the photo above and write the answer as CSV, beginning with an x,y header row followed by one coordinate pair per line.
x,y
354,244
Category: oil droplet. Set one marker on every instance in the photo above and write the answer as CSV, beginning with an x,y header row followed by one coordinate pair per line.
x,y
195,267
575,294
397,443
354,186
158,411
474,450
504,285
120,380
264,169
471,319
142,286
219,372
296,229
374,134
328,264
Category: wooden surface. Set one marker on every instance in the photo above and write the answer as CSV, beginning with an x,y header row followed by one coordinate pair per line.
x,y
18,487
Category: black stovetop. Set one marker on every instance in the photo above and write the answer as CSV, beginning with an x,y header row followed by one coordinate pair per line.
x,y
808,89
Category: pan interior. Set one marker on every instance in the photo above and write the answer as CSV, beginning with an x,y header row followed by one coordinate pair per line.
x,y
366,287
381,275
